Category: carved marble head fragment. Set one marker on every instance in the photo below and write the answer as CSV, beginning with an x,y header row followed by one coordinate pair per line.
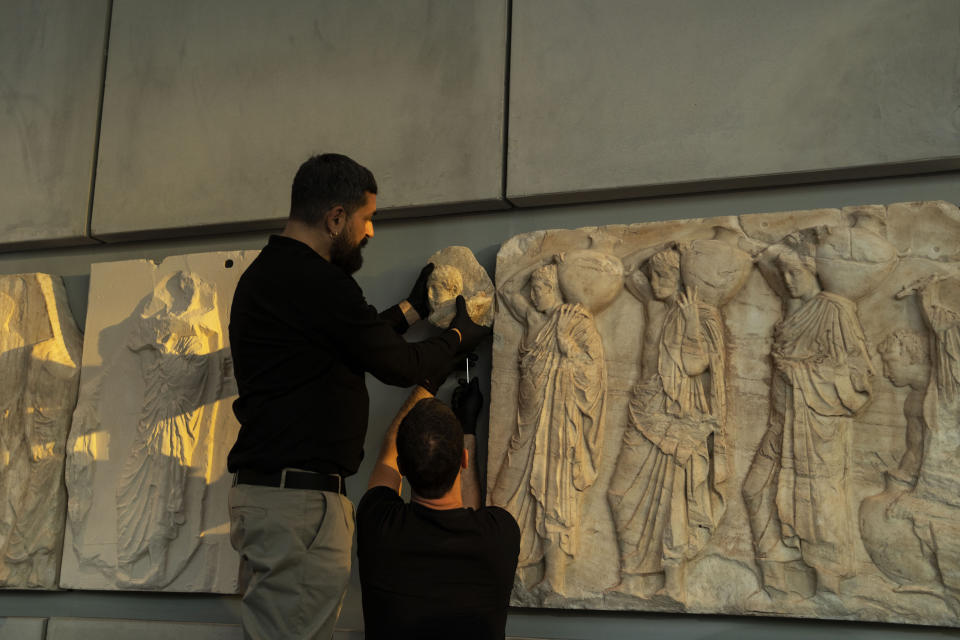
x,y
444,284
457,272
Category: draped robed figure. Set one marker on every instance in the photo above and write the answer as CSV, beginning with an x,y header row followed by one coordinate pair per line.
x,y
553,455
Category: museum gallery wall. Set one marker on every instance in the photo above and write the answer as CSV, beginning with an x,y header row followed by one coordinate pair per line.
x,y
748,415
745,415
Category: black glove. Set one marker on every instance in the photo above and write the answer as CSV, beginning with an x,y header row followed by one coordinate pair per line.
x,y
471,333
439,373
466,404
418,295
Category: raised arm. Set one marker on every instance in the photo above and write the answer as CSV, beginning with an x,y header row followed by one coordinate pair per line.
x,y
385,471
634,260
509,292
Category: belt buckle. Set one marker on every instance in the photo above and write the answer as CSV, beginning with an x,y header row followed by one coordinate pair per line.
x,y
339,483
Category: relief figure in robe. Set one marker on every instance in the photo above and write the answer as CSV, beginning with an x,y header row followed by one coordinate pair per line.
x,y
797,488
40,371
173,337
666,493
912,529
553,455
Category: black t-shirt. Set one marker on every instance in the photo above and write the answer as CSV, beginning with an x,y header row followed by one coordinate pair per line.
x,y
434,574
302,335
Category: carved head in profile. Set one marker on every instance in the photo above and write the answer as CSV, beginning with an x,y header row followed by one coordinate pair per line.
x,y
664,273
443,286
906,358
545,288
799,274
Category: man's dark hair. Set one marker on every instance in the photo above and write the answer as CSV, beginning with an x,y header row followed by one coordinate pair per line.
x,y
430,448
326,181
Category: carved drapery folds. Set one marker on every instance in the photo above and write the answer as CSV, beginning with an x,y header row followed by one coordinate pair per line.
x,y
763,418
146,470
40,369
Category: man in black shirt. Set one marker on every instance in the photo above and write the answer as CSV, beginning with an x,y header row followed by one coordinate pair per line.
x,y
440,566
302,337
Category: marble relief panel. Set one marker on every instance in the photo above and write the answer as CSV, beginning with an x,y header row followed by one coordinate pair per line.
x,y
754,414
146,471
40,370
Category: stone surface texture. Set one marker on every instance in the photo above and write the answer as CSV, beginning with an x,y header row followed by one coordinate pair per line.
x,y
421,104
40,348
51,61
457,273
83,628
146,471
684,93
754,414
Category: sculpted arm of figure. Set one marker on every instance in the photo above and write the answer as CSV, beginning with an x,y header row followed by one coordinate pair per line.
x,y
636,282
509,292
696,359
634,260
385,471
938,317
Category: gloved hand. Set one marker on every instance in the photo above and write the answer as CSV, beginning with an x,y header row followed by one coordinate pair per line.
x,y
466,404
418,295
471,333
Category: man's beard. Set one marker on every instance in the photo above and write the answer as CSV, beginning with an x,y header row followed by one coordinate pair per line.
x,y
345,255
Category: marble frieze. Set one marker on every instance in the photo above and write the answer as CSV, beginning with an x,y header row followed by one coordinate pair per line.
x,y
146,471
754,414
40,347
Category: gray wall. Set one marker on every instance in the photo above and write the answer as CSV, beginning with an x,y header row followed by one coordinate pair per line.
x,y
624,98
193,154
51,72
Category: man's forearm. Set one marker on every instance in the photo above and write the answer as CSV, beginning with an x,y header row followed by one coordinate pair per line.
x,y
385,471
470,477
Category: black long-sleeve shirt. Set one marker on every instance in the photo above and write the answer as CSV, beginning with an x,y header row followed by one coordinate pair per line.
x,y
302,336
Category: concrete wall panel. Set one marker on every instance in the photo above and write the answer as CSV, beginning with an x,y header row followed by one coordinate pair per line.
x,y
625,98
22,628
51,54
211,107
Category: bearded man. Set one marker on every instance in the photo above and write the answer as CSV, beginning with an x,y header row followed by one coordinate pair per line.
x,y
302,337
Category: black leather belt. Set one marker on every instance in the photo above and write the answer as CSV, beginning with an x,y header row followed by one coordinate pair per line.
x,y
291,479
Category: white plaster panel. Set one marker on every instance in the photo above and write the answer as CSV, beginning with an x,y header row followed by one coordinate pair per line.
x,y
749,415
85,628
211,107
40,348
51,54
623,98
22,628
146,470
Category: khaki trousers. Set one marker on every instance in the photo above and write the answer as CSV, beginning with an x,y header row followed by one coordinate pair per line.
x,y
295,547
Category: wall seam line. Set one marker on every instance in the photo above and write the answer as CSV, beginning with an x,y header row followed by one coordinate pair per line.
x,y
99,126
506,104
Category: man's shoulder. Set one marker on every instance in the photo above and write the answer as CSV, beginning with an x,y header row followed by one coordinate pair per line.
x,y
285,262
501,517
376,499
